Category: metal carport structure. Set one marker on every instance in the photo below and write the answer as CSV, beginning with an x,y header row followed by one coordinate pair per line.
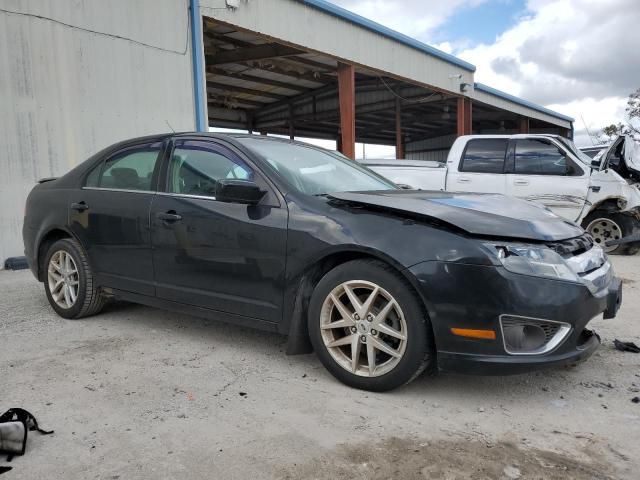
x,y
309,68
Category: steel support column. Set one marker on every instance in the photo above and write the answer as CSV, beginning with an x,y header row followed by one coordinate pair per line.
x,y
524,124
347,95
464,116
197,64
399,142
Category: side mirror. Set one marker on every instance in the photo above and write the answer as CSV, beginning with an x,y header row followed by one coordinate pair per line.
x,y
232,190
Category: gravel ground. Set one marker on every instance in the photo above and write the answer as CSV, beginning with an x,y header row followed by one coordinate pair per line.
x,y
141,393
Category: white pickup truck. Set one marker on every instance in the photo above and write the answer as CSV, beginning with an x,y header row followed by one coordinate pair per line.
x,y
548,169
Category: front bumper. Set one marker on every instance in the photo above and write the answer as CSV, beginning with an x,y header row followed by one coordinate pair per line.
x,y
475,296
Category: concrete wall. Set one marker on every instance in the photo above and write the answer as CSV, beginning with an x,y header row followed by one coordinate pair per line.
x,y
66,92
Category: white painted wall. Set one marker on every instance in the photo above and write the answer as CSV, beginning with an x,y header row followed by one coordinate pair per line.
x,y
65,93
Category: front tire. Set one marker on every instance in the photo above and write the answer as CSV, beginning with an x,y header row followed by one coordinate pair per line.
x,y
69,283
603,226
368,327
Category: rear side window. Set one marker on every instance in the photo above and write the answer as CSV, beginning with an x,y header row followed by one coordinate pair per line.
x,y
129,169
539,157
484,155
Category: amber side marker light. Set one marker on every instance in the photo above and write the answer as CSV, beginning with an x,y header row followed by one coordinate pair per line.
x,y
470,333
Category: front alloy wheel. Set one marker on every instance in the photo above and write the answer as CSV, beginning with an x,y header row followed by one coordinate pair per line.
x,y
604,229
368,326
363,328
605,226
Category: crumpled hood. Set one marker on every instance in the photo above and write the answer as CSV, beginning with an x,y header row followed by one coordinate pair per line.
x,y
476,213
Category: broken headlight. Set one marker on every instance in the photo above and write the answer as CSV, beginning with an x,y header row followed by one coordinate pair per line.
x,y
538,261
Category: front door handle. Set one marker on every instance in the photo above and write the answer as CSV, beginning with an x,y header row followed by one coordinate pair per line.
x,y
521,181
79,206
464,180
169,217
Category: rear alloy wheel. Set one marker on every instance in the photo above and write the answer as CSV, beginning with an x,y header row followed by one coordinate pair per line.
x,y
69,282
368,327
604,226
63,278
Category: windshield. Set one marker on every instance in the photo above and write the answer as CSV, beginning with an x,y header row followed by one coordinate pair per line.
x,y
583,157
315,171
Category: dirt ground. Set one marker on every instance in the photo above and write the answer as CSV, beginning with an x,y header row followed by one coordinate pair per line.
x,y
139,393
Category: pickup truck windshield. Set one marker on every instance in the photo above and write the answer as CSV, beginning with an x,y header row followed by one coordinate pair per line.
x,y
314,171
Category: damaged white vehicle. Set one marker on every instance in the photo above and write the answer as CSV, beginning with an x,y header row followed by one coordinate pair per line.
x,y
601,194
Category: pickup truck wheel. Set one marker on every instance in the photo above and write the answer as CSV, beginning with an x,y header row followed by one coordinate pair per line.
x,y
368,327
69,283
604,226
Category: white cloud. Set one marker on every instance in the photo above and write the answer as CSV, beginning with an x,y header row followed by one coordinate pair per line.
x,y
579,57
416,18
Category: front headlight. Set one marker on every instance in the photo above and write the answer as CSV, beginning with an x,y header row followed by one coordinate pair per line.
x,y
538,261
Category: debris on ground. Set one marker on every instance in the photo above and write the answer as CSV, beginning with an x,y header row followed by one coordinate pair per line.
x,y
626,346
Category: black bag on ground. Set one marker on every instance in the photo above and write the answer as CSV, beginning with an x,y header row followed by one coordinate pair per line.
x,y
15,423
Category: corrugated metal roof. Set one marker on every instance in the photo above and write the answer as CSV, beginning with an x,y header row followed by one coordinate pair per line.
x,y
363,22
512,98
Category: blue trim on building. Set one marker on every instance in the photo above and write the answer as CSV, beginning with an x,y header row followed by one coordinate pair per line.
x,y
520,101
375,27
197,61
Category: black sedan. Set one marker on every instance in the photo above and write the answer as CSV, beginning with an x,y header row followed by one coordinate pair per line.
x,y
382,283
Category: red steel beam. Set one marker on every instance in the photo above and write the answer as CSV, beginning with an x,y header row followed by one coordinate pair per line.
x,y
464,116
347,96
524,124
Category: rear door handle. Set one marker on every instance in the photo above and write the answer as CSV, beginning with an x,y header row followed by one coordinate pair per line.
x,y
521,181
80,206
464,180
169,217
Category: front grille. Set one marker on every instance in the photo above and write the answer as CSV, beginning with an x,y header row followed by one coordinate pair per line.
x,y
573,246
531,336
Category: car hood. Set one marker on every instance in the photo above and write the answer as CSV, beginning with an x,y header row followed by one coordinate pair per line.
x,y
476,213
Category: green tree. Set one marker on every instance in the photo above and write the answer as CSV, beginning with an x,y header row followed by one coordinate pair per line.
x,y
631,125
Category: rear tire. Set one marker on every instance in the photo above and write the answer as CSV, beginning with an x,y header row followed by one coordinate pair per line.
x,y
69,282
603,225
366,307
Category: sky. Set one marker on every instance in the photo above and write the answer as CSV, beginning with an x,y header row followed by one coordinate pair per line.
x,y
577,57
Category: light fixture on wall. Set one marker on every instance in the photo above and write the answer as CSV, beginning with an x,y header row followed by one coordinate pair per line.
x,y
445,112
502,129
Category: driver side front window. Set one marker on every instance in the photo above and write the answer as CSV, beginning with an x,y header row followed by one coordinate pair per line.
x,y
197,166
539,157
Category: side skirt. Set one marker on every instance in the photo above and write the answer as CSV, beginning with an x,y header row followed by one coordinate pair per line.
x,y
193,310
